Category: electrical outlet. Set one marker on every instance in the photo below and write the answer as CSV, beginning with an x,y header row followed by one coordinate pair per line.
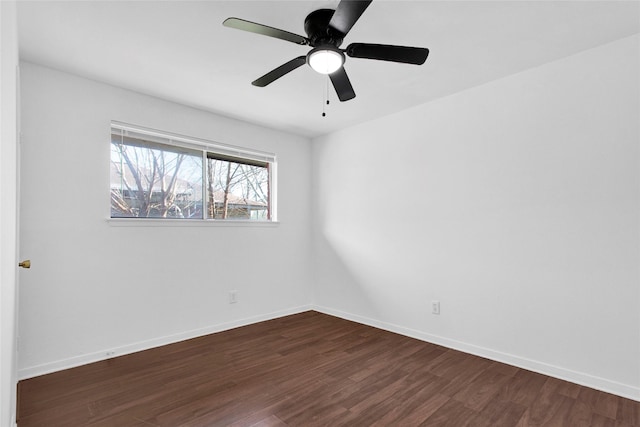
x,y
435,307
110,353
233,297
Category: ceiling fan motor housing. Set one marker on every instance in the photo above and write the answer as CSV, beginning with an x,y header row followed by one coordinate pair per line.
x,y
316,25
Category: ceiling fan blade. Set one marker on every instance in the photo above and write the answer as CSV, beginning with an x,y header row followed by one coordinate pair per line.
x,y
252,27
383,52
347,13
342,85
275,74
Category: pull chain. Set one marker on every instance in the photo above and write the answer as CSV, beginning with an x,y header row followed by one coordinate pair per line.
x,y
326,97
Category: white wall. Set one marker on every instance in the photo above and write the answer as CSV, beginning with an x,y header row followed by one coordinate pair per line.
x,y
96,287
8,204
516,204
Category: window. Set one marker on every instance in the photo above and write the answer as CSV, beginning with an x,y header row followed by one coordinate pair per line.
x,y
158,175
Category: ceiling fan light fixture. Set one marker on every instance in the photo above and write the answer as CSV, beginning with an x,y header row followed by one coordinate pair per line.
x,y
325,59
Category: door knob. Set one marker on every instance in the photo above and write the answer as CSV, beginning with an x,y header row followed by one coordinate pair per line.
x,y
25,264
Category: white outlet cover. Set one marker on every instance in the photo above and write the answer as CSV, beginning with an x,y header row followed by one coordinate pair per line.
x,y
233,297
435,307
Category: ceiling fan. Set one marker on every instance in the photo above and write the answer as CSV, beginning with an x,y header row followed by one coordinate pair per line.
x,y
326,29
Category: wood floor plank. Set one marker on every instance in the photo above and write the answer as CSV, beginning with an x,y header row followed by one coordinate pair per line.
x,y
546,404
479,392
581,415
311,369
455,414
628,412
601,403
598,420
523,388
412,412
503,412
560,414
271,421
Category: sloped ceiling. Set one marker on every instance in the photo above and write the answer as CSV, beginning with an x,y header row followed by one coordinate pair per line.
x,y
179,51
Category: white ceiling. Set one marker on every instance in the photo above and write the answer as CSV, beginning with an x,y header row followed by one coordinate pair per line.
x,y
179,50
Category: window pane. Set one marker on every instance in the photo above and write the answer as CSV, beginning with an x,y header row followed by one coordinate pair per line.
x,y
149,180
237,190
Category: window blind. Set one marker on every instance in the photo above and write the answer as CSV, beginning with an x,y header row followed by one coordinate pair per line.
x,y
147,137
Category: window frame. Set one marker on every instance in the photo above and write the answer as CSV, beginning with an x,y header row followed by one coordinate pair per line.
x,y
207,149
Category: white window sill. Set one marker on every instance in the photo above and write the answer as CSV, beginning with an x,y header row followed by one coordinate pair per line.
x,y
161,222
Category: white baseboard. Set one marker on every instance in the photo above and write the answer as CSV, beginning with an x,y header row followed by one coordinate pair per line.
x,y
602,384
85,359
581,378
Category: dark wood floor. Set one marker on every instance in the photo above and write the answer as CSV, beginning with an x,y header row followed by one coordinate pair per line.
x,y
312,369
